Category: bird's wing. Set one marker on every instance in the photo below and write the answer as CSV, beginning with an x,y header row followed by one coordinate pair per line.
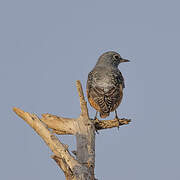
x,y
109,98
114,94
113,97
95,94
117,78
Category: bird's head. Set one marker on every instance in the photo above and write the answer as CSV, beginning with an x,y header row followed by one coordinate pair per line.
x,y
111,58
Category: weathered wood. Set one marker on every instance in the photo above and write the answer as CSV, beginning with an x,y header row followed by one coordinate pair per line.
x,y
85,136
107,124
69,126
60,125
81,167
58,148
83,103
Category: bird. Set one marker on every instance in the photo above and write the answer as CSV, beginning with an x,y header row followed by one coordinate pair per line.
x,y
105,84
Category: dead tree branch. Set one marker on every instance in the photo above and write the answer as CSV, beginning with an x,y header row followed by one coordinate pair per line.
x,y
81,167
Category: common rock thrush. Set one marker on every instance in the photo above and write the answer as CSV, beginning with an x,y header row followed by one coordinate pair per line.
x,y
105,84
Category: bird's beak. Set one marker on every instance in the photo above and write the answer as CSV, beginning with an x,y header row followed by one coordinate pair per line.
x,y
124,60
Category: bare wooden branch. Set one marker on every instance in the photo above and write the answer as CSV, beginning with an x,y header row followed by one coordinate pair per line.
x,y
59,149
81,166
85,136
107,124
69,126
50,139
83,103
60,125
62,164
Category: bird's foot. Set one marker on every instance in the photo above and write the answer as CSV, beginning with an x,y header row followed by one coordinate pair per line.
x,y
117,119
119,123
96,121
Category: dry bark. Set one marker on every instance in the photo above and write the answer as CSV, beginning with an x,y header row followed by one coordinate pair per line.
x,y
81,167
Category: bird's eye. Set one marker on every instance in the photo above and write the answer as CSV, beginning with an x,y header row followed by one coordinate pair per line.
x,y
116,57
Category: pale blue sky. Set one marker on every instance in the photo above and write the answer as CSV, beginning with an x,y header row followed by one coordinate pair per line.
x,y
47,45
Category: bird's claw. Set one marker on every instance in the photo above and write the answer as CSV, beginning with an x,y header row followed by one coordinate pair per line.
x,y
96,120
119,123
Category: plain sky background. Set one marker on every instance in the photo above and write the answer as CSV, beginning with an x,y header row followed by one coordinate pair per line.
x,y
45,46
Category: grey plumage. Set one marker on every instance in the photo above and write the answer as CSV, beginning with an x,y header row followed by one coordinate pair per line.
x,y
105,83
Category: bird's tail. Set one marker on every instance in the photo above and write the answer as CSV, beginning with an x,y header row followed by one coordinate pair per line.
x,y
104,114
